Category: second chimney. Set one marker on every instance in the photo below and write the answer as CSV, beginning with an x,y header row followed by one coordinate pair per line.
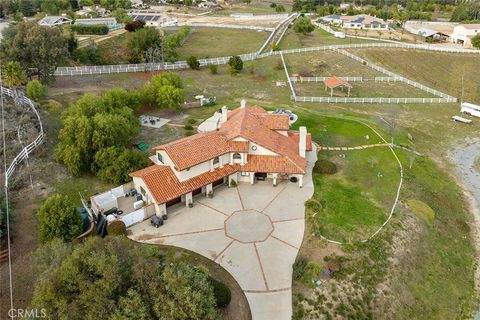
x,y
302,141
243,103
224,114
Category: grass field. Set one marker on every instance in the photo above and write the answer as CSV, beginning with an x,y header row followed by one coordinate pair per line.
x,y
442,71
256,7
327,63
220,42
363,90
318,37
357,199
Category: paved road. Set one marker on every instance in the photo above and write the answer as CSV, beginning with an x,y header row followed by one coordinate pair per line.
x,y
254,232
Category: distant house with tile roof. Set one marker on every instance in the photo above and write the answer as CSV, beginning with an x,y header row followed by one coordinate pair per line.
x,y
246,145
361,21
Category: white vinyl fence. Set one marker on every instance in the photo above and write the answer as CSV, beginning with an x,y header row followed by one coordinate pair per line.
x,y
27,150
142,67
350,79
370,100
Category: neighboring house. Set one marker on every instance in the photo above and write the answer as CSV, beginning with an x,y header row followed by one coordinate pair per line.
x,y
361,21
247,145
463,34
111,23
432,35
50,21
153,18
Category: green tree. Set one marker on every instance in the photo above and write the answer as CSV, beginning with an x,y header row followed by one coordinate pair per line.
x,y
235,64
303,25
72,43
280,8
113,164
476,41
169,96
39,49
193,63
139,41
213,68
126,281
13,74
121,15
36,90
58,218
94,123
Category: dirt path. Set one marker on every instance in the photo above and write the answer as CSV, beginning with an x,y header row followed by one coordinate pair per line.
x,y
463,157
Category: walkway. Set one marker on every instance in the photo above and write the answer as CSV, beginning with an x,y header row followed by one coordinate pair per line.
x,y
254,232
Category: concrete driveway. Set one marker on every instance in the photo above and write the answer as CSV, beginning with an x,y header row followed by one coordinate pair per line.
x,y
254,232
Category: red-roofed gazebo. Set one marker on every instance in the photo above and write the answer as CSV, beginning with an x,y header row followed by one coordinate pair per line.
x,y
336,82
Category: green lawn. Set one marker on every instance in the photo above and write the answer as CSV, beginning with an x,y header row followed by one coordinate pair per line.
x,y
318,37
205,42
357,199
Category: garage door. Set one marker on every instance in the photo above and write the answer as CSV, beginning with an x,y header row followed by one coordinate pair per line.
x,y
218,182
173,201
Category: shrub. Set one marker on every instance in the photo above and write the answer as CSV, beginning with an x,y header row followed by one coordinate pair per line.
x,y
188,127
275,47
117,228
36,90
325,167
313,204
299,267
213,68
51,105
222,293
192,120
233,183
303,25
193,63
97,29
188,133
236,64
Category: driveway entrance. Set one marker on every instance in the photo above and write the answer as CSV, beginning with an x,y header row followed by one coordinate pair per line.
x,y
253,231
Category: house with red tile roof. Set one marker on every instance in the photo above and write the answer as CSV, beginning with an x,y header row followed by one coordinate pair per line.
x,y
246,145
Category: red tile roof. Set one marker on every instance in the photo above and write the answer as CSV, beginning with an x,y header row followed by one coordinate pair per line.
x,y
164,185
270,164
333,82
251,123
295,136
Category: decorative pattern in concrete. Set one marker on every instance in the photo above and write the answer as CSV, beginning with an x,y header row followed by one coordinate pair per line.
x,y
253,231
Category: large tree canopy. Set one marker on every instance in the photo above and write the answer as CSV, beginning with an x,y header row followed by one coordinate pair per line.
x,y
94,123
113,279
38,49
58,218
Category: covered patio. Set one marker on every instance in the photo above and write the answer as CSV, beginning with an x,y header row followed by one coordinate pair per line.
x,y
337,82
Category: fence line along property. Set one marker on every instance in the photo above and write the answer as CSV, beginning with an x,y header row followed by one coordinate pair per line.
x,y
142,67
27,150
350,79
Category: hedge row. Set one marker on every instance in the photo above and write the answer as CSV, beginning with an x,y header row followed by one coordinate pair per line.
x,y
97,29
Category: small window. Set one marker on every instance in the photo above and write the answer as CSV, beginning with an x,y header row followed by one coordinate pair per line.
x,y
142,191
237,156
244,174
160,157
216,160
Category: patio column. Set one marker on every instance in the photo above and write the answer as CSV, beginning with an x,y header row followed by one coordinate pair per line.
x,y
331,92
160,209
300,180
188,199
252,177
209,189
275,175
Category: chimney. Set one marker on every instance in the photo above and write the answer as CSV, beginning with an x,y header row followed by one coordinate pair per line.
x,y
224,114
302,141
243,103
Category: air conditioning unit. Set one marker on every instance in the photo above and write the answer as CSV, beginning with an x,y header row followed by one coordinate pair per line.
x,y
138,204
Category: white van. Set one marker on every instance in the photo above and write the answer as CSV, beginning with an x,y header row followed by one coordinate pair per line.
x,y
471,109
340,35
